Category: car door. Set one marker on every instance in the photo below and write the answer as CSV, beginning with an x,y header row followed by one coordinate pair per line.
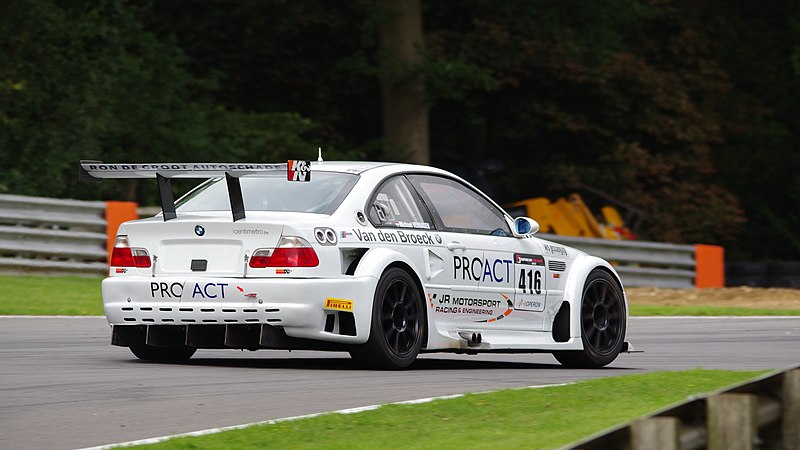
x,y
481,255
404,223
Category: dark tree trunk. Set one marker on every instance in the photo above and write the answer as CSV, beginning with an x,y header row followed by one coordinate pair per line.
x,y
405,111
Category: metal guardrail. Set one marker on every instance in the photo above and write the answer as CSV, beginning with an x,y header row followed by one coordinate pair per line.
x,y
764,413
69,236
640,263
51,235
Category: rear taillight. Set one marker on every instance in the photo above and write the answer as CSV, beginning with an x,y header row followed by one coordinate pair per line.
x,y
293,257
125,256
291,251
140,257
260,259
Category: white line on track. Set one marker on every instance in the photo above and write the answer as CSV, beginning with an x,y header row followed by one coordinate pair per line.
x,y
359,409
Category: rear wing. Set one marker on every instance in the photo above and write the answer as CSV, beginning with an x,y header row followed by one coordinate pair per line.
x,y
96,171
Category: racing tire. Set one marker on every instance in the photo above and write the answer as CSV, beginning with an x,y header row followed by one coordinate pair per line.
x,y
398,324
603,322
162,354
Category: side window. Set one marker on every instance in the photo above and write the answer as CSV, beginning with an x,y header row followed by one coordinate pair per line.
x,y
460,208
395,204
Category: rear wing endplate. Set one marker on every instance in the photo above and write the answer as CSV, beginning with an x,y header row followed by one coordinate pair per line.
x,y
163,173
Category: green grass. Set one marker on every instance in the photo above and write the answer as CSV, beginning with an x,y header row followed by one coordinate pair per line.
x,y
78,296
522,418
38,295
657,310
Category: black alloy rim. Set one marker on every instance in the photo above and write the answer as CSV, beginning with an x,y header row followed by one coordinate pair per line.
x,y
400,317
601,315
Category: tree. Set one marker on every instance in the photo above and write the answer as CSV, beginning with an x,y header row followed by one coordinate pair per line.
x,y
625,97
403,101
89,82
679,108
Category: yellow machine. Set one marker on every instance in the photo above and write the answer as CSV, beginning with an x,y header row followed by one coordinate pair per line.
x,y
571,217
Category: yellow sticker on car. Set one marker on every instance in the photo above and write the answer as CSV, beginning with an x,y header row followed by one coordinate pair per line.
x,y
338,304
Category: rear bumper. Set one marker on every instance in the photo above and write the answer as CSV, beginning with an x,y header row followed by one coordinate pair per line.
x,y
295,307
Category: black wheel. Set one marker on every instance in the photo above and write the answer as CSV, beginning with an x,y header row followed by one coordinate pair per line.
x,y
602,323
150,353
398,323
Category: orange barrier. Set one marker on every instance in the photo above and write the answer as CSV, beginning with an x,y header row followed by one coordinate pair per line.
x,y
116,214
709,266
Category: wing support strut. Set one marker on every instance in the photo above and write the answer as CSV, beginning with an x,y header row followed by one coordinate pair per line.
x,y
235,197
168,200
91,170
166,197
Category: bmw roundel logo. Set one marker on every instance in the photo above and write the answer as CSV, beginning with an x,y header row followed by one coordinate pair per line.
x,y
199,230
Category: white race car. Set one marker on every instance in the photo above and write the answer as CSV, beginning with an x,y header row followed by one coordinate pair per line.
x,y
381,260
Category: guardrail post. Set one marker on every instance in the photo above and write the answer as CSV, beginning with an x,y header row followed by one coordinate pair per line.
x,y
709,266
656,432
116,214
791,410
732,421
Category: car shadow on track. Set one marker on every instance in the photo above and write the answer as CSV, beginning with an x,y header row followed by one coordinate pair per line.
x,y
345,364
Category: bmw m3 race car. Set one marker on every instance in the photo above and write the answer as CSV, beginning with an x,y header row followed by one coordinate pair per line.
x,y
382,260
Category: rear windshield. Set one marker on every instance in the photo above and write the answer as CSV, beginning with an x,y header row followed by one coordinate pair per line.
x,y
269,192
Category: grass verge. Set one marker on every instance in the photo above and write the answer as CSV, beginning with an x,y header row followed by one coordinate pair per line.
x,y
50,296
702,310
78,296
519,418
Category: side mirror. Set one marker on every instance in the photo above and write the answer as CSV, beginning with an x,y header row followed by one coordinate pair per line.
x,y
525,226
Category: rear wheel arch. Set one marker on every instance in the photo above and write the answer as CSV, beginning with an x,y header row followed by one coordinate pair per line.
x,y
398,321
418,282
374,263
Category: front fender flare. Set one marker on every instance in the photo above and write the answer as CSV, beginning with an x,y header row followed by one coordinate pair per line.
x,y
573,290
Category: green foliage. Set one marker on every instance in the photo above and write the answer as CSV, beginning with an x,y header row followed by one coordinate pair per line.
x,y
94,84
305,56
454,79
759,158
548,417
592,96
684,110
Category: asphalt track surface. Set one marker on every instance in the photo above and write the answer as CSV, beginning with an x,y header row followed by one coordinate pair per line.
x,y
62,385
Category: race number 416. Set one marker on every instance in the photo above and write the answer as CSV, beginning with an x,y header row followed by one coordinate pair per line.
x,y
299,170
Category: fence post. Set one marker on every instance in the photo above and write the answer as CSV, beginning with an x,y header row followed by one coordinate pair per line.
x,y
656,432
709,266
791,410
732,421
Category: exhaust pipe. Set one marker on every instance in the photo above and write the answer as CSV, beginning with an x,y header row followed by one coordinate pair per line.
x,y
473,339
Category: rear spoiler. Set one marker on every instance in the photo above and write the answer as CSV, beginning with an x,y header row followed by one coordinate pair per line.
x,y
163,172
